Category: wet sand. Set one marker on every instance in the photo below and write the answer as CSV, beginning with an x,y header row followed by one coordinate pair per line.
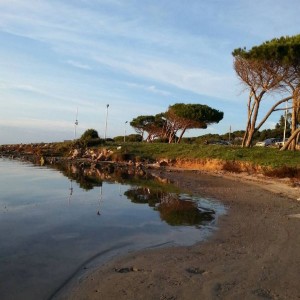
x,y
255,253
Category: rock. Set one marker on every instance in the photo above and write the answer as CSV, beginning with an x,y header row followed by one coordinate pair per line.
x,y
163,163
76,153
123,270
100,156
194,270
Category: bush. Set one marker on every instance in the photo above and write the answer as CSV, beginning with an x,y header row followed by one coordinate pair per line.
x,y
94,142
89,134
119,139
132,138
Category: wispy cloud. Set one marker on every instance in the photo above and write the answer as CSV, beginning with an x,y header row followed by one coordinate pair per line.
x,y
34,123
150,88
78,65
139,56
119,40
197,80
20,87
47,94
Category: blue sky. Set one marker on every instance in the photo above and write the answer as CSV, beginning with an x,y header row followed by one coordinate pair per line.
x,y
138,56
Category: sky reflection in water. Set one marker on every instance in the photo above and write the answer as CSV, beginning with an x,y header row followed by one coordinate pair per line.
x,y
52,228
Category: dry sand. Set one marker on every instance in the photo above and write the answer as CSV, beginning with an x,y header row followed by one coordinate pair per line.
x,y
255,253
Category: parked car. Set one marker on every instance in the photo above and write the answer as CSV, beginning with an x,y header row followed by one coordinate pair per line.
x,y
219,142
267,142
281,142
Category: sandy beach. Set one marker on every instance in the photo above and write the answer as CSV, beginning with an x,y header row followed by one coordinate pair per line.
x,y
255,253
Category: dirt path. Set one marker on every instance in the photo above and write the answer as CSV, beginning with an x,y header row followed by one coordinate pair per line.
x,y
255,254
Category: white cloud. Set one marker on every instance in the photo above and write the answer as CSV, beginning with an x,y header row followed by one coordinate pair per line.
x,y
34,123
141,56
197,80
20,87
155,90
78,65
68,29
149,88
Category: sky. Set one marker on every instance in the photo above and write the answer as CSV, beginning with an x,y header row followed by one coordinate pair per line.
x,y
58,57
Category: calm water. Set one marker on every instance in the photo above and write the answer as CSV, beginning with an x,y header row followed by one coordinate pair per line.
x,y
53,227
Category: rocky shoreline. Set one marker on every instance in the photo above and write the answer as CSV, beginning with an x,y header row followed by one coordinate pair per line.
x,y
106,160
45,154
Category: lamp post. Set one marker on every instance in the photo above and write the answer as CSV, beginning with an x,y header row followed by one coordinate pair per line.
x,y
107,105
125,131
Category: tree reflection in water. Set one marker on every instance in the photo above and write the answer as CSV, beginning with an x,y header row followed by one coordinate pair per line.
x,y
90,176
172,208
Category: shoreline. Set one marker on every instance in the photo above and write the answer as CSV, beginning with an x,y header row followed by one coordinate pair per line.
x,y
288,186
255,253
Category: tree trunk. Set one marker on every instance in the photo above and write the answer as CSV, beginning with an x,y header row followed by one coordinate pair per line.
x,y
273,108
246,133
171,137
295,113
292,138
292,145
252,129
250,137
181,135
250,111
252,116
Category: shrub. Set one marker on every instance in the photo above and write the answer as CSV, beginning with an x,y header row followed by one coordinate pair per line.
x,y
132,138
89,134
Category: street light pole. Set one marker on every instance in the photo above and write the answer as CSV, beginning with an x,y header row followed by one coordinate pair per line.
x,y
125,131
107,105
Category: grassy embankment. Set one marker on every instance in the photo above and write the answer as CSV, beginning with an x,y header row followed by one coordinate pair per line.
x,y
269,157
269,161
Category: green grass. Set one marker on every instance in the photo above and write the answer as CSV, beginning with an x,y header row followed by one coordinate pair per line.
x,y
270,160
270,157
258,156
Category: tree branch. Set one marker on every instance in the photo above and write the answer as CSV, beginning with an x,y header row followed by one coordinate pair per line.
x,y
289,141
271,110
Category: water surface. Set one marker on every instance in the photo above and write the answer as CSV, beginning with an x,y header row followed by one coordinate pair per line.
x,y
54,226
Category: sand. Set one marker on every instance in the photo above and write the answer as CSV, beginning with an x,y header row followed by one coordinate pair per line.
x,y
255,253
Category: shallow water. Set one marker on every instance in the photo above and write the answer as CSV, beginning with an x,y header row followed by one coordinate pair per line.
x,y
52,229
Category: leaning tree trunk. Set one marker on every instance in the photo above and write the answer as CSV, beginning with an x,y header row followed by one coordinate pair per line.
x,y
252,129
253,109
246,133
171,137
292,145
292,138
272,109
181,135
297,138
295,116
250,111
